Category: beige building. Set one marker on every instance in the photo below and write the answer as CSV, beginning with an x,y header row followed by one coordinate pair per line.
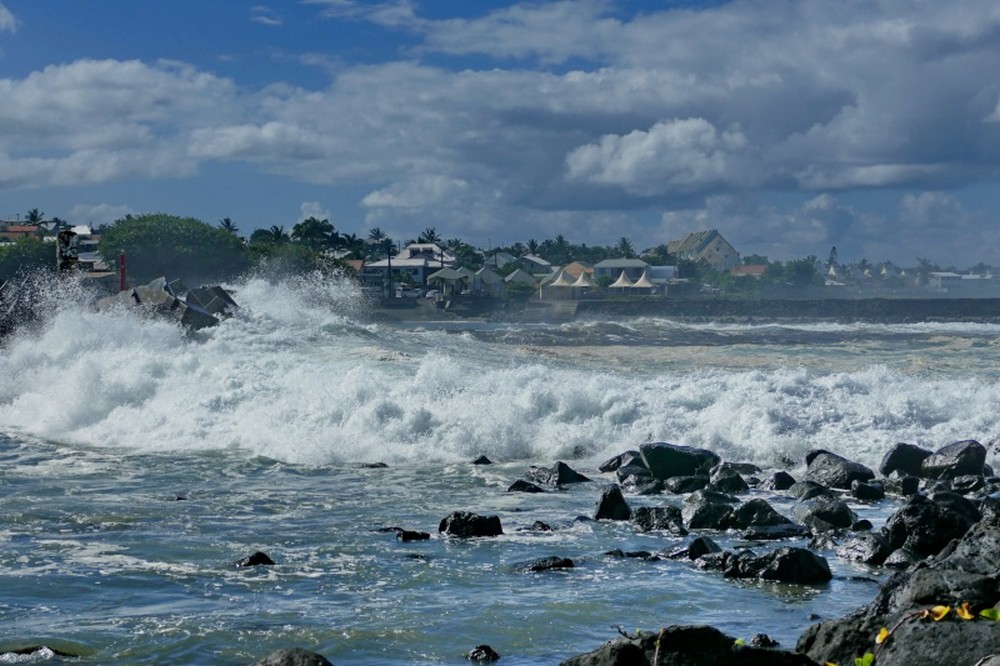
x,y
708,246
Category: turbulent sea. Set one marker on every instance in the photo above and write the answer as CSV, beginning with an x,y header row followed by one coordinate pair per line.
x,y
263,426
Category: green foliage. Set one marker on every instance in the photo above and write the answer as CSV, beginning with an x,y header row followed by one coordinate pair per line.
x,y
517,291
280,259
158,244
26,255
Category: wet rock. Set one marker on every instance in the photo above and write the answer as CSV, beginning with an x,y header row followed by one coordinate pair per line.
x,y
255,560
872,491
778,481
544,564
956,459
835,471
621,460
904,458
803,490
755,513
681,485
868,548
641,485
775,532
762,641
699,547
465,524
924,527
620,554
412,535
785,565
960,505
293,657
706,510
727,480
966,571
612,505
670,460
522,486
968,483
559,474
904,485
990,511
824,514
665,518
685,646
482,460
482,653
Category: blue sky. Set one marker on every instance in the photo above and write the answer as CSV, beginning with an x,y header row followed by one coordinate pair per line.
x,y
790,125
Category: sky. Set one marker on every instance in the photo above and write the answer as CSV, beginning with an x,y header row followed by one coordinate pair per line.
x,y
791,126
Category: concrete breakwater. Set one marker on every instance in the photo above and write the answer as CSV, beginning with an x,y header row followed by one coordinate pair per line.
x,y
883,310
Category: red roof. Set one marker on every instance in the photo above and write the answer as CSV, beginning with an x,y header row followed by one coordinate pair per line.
x,y
22,229
749,270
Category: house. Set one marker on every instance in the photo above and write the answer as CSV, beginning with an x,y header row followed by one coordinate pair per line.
x,y
413,264
13,232
521,276
500,259
576,268
755,271
535,265
449,281
488,282
614,268
706,246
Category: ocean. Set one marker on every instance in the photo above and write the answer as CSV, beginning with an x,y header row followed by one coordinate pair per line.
x,y
140,461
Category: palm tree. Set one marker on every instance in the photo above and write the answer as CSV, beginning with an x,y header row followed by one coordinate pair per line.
x,y
625,248
228,225
533,246
315,233
277,235
429,235
35,216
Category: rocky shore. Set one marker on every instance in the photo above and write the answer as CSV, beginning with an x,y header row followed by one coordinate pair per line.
x,y
941,544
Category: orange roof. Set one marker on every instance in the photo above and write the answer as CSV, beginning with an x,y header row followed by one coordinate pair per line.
x,y
22,229
751,270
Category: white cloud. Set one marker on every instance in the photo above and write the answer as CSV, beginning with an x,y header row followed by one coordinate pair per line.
x,y
265,16
98,214
685,154
313,209
8,22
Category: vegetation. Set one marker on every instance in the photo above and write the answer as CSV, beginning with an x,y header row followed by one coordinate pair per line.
x,y
24,256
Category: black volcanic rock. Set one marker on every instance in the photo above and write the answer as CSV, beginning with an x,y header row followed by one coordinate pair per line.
x,y
558,475
835,471
668,460
956,459
612,505
465,524
293,657
255,560
904,458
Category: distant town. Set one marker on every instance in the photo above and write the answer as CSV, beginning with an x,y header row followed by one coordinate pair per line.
x,y
701,264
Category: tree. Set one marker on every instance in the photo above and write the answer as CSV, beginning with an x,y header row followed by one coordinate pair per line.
x,y
429,235
315,233
34,216
532,246
164,245
275,235
24,256
624,248
229,226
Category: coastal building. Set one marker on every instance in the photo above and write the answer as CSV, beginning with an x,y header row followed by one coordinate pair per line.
x,y
488,282
535,265
613,268
413,264
755,271
708,247
499,260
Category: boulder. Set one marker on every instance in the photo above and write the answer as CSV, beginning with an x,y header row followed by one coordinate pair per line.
x,y
412,535
706,510
902,485
824,514
255,560
545,564
966,571
785,565
482,460
904,458
924,527
685,646
681,485
757,512
727,480
612,505
869,548
620,460
559,474
699,547
293,657
956,459
778,481
803,490
871,491
835,471
669,460
522,486
465,524
482,653
662,518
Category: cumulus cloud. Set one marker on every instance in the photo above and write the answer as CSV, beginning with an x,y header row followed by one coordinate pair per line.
x,y
313,209
684,154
